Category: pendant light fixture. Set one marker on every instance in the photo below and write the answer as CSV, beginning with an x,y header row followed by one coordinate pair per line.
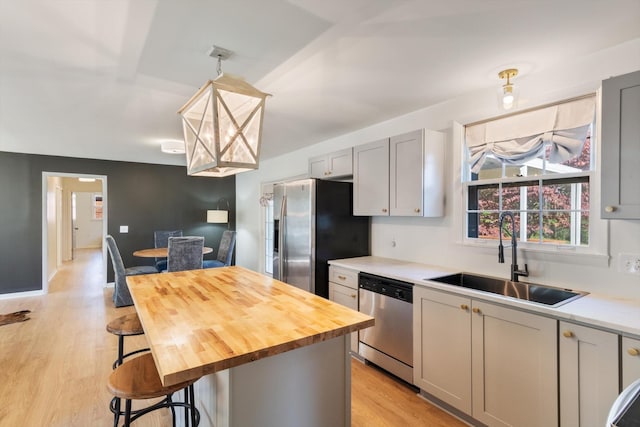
x,y
508,95
222,124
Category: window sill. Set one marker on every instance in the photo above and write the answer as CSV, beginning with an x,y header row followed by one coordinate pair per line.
x,y
560,254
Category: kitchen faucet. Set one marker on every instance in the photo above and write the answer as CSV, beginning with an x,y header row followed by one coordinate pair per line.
x,y
515,273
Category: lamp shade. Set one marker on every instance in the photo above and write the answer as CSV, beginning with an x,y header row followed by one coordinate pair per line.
x,y
217,216
222,125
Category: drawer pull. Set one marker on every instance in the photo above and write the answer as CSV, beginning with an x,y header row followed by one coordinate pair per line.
x,y
633,351
417,210
609,209
342,277
464,306
568,334
475,310
353,295
384,210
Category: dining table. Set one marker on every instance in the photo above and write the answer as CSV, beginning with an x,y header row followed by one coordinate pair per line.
x,y
162,252
263,352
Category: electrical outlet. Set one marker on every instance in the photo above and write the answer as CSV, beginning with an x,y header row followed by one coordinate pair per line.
x,y
629,263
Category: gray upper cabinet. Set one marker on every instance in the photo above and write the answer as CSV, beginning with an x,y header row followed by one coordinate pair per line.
x,y
400,176
371,178
338,164
621,147
416,176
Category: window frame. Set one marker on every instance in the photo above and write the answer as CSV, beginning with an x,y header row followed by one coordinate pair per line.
x,y
597,253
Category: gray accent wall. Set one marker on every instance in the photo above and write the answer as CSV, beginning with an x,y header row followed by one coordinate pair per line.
x,y
145,197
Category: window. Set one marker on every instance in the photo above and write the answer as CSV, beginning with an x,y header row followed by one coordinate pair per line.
x,y
537,165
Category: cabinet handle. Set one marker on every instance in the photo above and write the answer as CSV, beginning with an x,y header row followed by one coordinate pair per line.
x,y
342,277
568,334
353,295
417,210
475,310
328,172
384,210
609,209
633,351
464,306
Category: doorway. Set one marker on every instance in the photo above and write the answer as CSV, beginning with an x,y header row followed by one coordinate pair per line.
x,y
73,217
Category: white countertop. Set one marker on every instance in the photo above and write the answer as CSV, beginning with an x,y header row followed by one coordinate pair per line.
x,y
621,315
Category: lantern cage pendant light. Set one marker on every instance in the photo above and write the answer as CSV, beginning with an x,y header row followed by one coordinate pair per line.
x,y
222,125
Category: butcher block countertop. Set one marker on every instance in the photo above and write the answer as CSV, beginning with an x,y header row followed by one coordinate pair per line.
x,y
203,321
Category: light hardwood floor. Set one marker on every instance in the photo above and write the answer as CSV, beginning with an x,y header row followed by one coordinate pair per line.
x,y
54,367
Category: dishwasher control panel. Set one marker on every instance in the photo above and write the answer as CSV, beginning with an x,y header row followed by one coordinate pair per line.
x,y
397,289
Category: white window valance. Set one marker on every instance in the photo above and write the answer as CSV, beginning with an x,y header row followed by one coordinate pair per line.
x,y
522,137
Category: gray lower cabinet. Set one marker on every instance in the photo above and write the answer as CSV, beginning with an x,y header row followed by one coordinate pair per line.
x,y
630,357
343,289
495,364
621,147
589,374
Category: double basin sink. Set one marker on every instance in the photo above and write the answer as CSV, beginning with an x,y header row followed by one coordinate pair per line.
x,y
541,294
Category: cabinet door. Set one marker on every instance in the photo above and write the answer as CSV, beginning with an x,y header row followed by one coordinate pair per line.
x,y
620,142
406,153
588,375
442,346
630,361
371,178
515,367
349,298
340,163
318,167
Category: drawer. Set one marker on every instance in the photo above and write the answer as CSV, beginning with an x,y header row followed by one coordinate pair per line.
x,y
343,276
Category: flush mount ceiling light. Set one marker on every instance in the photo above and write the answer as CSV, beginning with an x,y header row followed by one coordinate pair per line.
x,y
508,96
222,124
172,147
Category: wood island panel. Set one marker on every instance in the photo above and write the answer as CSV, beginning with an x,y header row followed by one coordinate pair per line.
x,y
203,321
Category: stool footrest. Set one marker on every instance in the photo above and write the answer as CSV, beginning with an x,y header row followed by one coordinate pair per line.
x,y
119,362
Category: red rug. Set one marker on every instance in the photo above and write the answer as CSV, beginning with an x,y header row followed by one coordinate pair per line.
x,y
18,316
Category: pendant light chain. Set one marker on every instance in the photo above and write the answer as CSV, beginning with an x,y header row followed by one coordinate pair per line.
x,y
219,69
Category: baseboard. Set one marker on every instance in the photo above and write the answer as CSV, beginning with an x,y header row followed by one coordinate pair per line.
x,y
22,294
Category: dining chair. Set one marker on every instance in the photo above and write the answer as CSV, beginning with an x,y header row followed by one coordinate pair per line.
x,y
161,240
121,295
185,253
225,251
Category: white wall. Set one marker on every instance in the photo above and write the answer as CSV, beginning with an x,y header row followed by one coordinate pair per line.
x,y
436,241
54,185
89,230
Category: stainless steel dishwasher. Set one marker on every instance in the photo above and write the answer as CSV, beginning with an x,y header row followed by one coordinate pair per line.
x,y
389,343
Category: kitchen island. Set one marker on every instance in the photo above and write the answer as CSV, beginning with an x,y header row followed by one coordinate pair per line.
x,y
266,353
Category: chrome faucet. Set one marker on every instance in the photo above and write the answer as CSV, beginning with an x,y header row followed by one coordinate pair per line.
x,y
515,273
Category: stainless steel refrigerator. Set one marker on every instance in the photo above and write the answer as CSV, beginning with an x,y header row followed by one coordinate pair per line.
x,y
314,223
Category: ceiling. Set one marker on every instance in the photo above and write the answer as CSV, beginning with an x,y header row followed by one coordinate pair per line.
x,y
104,79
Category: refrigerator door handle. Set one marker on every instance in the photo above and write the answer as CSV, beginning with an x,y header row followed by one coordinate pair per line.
x,y
282,239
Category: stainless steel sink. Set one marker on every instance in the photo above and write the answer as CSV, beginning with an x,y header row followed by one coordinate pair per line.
x,y
532,292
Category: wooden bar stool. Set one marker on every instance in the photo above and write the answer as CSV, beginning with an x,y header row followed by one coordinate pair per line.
x,y
138,378
125,326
